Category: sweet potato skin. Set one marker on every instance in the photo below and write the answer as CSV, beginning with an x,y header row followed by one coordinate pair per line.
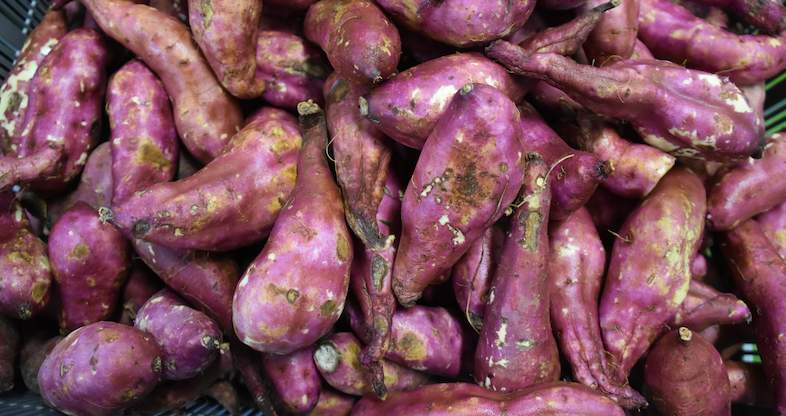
x,y
295,379
471,278
32,354
408,106
293,70
333,403
95,184
359,40
773,223
121,361
143,131
685,376
748,384
704,306
468,172
567,38
9,344
615,33
646,282
141,285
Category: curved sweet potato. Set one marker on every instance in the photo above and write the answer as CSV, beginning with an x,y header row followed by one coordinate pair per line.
x,y
704,306
748,384
567,38
141,285
471,278
615,35
293,70
35,348
95,184
333,403
9,344
295,379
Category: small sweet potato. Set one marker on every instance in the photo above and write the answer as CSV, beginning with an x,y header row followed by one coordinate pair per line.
x,y
295,379
35,348
121,362
468,173
141,285
614,35
748,384
471,278
359,40
225,394
704,306
333,403
685,376
94,188
9,344
567,38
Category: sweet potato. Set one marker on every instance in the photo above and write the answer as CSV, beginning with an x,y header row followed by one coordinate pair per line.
x,y
756,94
9,344
63,115
647,282
773,223
226,395
767,15
615,34
34,350
516,348
748,384
246,361
206,116
278,307
640,51
672,32
293,70
408,106
449,399
120,361
94,188
471,278
359,40
552,99
338,360
458,22
333,403
295,379
289,4
685,376
704,306
231,202
144,140
171,396
708,118
141,285
567,38
698,267
751,188
468,173
576,266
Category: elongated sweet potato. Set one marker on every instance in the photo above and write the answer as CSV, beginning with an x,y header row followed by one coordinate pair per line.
x,y
516,348
708,118
293,69
206,116
672,32
333,403
120,361
615,34
408,106
141,285
458,22
359,40
750,188
449,399
704,306
748,384
295,379
231,202
576,266
35,347
471,278
338,360
567,38
278,307
9,344
144,140
95,184
468,173
646,282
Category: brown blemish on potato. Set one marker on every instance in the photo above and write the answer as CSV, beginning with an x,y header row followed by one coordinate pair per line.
x,y
80,252
342,248
206,7
411,347
531,221
292,296
39,291
150,154
327,308
379,269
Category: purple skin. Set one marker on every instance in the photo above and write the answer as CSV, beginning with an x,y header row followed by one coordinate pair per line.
x,y
189,340
144,140
99,369
463,399
225,31
640,51
756,94
751,188
90,262
767,15
698,267
9,344
407,107
95,184
704,306
278,306
576,267
567,38
647,282
338,360
34,351
516,348
748,384
295,379
142,284
672,32
576,173
554,100
231,202
63,116
333,403
614,36
25,273
293,70
461,23
773,223
471,278
468,172
359,40
708,118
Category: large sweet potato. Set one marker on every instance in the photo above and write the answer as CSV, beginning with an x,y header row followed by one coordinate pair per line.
x,y
295,379
293,69
704,306
9,344
615,34
94,188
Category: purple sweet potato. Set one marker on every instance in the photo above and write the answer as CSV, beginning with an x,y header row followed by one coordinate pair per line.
x,y
672,32
750,188
756,94
206,116
576,266
171,396
554,100
576,173
62,119
460,399
698,267
141,285
773,223
649,271
516,348
685,376
615,35
278,306
338,360
748,384
332,403
767,15
359,40
408,106
567,38
468,173
231,202
471,278
708,118
640,51
460,23
95,184
9,344
704,306
99,369
295,379
34,350
226,31
90,262
144,141
293,69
